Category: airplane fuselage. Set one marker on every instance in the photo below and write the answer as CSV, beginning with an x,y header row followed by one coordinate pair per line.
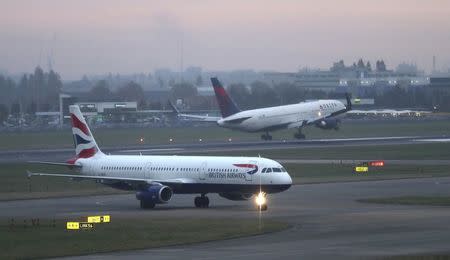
x,y
194,174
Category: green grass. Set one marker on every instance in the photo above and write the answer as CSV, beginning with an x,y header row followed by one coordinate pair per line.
x,y
118,137
419,151
316,173
121,234
16,185
411,200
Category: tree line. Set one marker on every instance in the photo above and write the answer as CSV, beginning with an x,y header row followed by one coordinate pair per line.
x,y
38,91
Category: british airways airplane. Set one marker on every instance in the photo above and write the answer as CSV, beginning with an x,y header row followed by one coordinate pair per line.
x,y
156,178
320,113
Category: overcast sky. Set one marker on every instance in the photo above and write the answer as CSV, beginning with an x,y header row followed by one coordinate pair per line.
x,y
130,36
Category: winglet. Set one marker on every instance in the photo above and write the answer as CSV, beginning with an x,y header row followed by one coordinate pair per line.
x,y
29,174
173,107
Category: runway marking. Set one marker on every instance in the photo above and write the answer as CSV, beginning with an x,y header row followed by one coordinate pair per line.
x,y
366,138
443,140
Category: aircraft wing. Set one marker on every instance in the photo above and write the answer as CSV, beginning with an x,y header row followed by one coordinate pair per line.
x,y
192,117
200,118
168,182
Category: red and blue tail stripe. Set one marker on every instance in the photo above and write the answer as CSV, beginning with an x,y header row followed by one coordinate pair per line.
x,y
85,145
226,104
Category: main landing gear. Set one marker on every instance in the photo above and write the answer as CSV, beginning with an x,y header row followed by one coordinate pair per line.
x,y
266,136
201,202
299,134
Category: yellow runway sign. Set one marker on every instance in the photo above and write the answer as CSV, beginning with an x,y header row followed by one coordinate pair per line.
x,y
361,169
99,219
79,225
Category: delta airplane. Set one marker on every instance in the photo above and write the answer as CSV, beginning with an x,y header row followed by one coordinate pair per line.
x,y
156,178
321,113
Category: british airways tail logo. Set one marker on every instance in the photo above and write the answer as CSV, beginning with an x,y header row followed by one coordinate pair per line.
x,y
252,168
84,143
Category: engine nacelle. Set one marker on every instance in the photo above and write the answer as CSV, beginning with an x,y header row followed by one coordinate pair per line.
x,y
236,195
155,193
328,123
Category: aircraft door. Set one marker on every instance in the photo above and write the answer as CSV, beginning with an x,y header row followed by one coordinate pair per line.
x,y
147,170
203,171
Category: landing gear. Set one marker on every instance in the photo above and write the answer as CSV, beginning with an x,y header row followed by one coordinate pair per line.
x,y
266,136
262,207
261,201
299,134
147,204
201,202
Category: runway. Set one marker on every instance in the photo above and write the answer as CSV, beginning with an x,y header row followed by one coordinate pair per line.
x,y
63,154
326,221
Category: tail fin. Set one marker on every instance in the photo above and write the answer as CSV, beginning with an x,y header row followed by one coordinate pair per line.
x,y
85,145
226,104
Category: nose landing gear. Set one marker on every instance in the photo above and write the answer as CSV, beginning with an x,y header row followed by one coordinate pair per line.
x,y
266,136
261,201
299,134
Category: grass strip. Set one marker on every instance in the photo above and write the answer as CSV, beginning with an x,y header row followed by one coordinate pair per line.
x,y
51,239
131,136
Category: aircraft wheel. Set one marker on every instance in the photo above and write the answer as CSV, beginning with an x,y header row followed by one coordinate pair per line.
x,y
197,202
205,202
201,202
263,207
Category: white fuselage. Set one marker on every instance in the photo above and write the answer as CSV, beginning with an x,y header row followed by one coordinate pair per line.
x,y
194,173
280,117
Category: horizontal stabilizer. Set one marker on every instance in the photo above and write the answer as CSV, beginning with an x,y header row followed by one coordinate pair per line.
x,y
56,164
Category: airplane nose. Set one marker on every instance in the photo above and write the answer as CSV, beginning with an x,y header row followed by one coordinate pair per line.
x,y
288,179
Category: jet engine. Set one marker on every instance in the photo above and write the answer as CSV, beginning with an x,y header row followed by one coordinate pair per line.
x,y
328,123
236,195
155,193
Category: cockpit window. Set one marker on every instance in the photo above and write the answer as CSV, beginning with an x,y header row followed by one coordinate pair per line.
x,y
276,169
264,170
269,170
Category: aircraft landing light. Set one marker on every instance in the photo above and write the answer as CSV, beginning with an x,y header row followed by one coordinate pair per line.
x,y
260,199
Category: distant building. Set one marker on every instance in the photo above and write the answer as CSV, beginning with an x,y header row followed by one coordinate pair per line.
x,y
358,78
